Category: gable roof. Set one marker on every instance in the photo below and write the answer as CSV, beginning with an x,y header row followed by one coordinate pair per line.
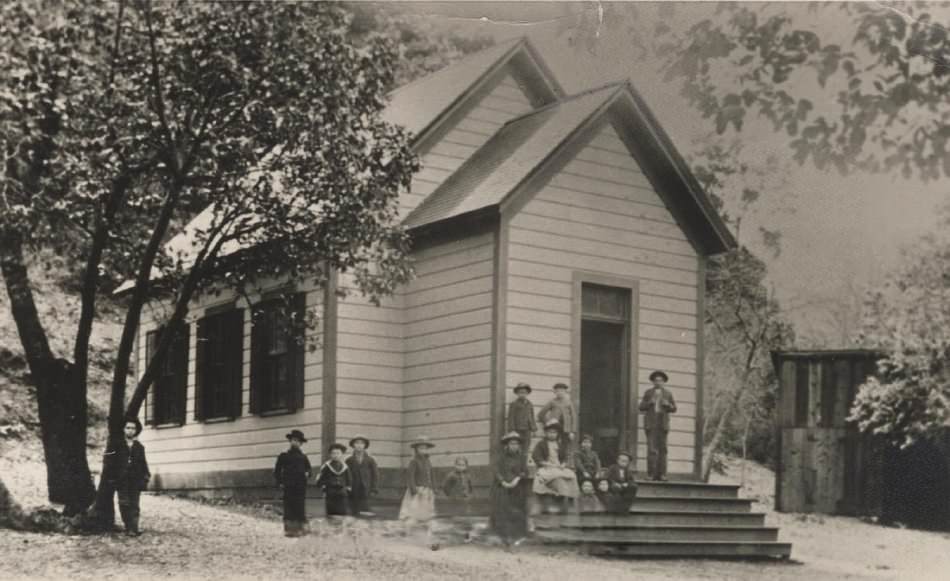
x,y
508,158
419,105
522,146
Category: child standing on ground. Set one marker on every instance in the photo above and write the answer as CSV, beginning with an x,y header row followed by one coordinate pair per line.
x,y
622,484
418,504
364,476
131,475
509,517
292,472
458,487
335,480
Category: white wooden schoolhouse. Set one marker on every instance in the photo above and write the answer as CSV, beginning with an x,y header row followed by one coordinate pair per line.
x,y
556,238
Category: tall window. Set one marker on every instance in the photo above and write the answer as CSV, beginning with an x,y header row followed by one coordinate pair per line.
x,y
219,367
277,355
169,390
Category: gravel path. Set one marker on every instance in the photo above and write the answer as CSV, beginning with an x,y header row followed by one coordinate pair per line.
x,y
188,540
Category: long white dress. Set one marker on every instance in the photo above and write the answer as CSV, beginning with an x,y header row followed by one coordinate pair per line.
x,y
554,477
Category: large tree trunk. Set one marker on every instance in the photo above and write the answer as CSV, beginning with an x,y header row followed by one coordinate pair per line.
x,y
61,396
63,415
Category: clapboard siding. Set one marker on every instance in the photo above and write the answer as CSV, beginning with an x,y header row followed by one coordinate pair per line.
x,y
599,214
447,341
369,361
248,441
503,102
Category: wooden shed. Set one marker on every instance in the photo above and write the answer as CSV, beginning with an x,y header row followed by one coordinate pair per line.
x,y
824,464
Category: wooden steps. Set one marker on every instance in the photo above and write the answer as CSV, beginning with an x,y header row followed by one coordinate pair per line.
x,y
671,519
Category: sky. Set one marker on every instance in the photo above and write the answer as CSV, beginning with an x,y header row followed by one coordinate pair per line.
x,y
839,233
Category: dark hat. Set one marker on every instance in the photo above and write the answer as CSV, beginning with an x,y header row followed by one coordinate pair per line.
x,y
137,422
337,446
587,437
560,386
422,441
552,424
659,374
296,435
357,437
510,436
625,453
523,387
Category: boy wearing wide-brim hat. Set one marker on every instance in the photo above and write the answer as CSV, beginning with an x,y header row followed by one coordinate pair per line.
x,y
560,409
509,516
521,416
364,476
657,405
292,472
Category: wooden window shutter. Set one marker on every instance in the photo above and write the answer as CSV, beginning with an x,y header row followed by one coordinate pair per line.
x,y
299,351
235,355
181,353
151,343
201,351
258,345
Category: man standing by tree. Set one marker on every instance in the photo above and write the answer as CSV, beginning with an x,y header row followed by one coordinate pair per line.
x,y
657,405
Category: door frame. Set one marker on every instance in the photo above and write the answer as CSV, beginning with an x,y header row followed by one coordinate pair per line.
x,y
630,395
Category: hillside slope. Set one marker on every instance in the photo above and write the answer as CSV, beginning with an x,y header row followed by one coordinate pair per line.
x,y
59,310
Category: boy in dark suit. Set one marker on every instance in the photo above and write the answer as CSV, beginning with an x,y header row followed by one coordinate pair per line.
x,y
292,472
657,405
334,478
521,417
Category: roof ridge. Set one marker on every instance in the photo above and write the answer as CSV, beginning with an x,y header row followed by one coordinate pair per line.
x,y
566,99
514,41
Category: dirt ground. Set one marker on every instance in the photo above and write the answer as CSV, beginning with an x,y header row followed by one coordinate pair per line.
x,y
188,540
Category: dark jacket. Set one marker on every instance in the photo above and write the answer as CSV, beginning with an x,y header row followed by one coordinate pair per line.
x,y
510,466
126,467
521,416
621,479
540,453
419,473
364,473
334,477
587,462
651,419
292,469
458,485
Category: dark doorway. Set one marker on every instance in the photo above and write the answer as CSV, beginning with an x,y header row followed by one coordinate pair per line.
x,y
603,368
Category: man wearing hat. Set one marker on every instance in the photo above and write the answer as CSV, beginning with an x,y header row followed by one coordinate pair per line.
x,y
521,416
364,476
657,405
292,472
561,409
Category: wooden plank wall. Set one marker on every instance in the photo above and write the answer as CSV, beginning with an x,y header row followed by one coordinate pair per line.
x,y
503,103
249,442
447,338
600,214
369,373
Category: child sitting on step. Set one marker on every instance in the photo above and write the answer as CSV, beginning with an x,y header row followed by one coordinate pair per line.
x,y
623,487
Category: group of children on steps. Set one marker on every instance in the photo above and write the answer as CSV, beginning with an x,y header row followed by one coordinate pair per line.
x,y
558,474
